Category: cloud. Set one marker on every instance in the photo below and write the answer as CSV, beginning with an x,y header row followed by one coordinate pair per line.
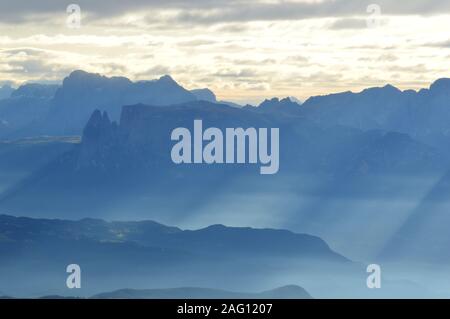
x,y
387,57
20,65
217,11
153,72
30,66
349,23
296,60
196,43
26,61
443,44
245,73
232,28
414,69
22,52
231,46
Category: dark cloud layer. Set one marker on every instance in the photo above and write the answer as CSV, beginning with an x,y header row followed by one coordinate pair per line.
x,y
216,11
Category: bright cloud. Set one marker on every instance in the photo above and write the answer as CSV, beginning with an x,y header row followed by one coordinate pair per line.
x,y
243,50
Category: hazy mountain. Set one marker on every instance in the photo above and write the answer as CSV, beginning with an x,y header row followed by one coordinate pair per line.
x,y
232,104
38,109
213,240
6,91
344,158
204,95
424,114
328,175
209,96
25,107
36,90
423,237
147,253
132,157
340,149
367,172
285,105
20,158
286,292
82,93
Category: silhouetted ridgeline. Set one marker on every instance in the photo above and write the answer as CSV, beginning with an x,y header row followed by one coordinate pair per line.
x,y
147,254
286,292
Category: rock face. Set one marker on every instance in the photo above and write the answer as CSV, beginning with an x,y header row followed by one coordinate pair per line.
x,y
98,138
142,138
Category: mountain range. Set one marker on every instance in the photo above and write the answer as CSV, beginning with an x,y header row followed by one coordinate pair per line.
x,y
35,253
39,109
286,292
329,173
368,172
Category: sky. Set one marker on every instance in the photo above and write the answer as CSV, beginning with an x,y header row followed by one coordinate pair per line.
x,y
243,50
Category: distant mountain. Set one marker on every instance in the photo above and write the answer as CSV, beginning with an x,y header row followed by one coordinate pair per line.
x,y
38,109
6,91
209,96
423,236
20,158
285,105
148,253
82,93
25,107
232,104
213,240
343,150
36,90
379,155
123,160
286,292
424,115
328,177
204,95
